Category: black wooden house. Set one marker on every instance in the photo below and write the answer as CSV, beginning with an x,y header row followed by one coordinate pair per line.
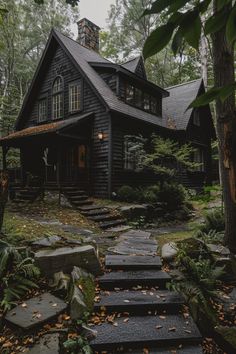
x,y
80,107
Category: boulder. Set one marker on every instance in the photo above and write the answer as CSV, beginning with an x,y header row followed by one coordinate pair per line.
x,y
169,251
134,211
51,261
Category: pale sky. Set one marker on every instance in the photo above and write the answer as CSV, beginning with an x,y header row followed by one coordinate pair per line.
x,y
95,11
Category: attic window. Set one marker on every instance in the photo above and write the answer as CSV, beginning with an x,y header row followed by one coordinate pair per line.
x,y
74,96
57,98
153,104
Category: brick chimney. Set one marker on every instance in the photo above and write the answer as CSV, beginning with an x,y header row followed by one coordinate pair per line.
x,y
88,34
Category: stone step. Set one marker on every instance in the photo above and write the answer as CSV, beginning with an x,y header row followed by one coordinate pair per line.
x,y
75,192
112,223
144,331
140,301
74,198
104,217
128,279
179,349
81,202
118,228
132,262
91,207
36,311
95,212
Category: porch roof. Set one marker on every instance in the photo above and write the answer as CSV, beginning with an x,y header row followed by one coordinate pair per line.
x,y
48,128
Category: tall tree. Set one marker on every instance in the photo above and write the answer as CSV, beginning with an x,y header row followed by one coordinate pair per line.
x,y
126,37
183,23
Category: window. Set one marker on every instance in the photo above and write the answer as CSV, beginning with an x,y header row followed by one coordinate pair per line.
x,y
198,157
57,98
42,110
146,102
129,94
196,118
153,104
131,155
74,96
138,98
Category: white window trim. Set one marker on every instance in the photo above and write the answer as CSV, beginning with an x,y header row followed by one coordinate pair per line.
x,y
75,105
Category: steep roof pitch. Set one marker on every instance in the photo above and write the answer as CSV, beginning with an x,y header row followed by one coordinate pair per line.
x,y
175,106
135,65
82,57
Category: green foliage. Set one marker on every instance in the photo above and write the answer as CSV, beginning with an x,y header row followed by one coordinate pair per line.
x,y
198,284
212,236
173,194
77,346
183,23
151,194
70,2
213,220
228,333
139,223
127,194
17,274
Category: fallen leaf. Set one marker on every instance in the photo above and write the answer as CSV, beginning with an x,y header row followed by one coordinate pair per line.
x,y
158,327
172,329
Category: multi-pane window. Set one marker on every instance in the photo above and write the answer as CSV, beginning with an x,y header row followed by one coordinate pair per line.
x,y
198,158
146,102
42,110
153,104
131,154
138,98
75,96
57,98
129,94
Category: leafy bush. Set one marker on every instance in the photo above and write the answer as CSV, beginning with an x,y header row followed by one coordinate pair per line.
x,y
17,275
214,220
128,194
173,194
151,194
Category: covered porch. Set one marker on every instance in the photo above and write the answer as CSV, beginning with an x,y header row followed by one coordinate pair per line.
x,y
52,155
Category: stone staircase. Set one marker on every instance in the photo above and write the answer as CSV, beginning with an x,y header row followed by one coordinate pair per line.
x,y
24,195
141,315
102,216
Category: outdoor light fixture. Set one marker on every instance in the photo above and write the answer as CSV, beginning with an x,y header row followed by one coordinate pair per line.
x,y
100,136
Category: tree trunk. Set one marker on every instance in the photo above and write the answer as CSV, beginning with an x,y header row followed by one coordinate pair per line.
x,y
223,65
3,195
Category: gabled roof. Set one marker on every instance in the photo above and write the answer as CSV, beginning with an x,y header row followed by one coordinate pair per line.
x,y
131,64
175,106
82,58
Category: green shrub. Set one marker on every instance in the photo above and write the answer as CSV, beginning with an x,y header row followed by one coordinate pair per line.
x,y
151,194
211,236
172,194
214,220
128,194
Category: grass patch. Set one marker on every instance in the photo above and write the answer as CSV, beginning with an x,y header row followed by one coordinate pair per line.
x,y
173,237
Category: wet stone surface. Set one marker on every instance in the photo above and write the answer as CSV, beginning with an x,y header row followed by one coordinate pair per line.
x,y
48,344
36,311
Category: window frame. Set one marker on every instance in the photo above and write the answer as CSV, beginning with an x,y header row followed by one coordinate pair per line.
x,y
129,162
59,93
40,100
71,83
196,118
198,150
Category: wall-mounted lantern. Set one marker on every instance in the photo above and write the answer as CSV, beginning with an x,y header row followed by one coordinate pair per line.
x,y
101,136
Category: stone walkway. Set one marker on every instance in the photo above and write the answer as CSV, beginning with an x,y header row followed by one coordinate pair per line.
x,y
144,317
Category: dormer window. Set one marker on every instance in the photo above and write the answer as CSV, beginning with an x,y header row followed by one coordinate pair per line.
x,y
57,98
153,105
42,110
129,94
75,96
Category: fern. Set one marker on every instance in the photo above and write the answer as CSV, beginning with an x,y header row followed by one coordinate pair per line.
x,y
17,275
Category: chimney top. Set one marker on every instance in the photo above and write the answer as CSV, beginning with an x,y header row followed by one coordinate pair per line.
x,y
88,34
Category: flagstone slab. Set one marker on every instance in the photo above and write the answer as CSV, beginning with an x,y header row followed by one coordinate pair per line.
x,y
132,262
126,279
145,331
186,349
36,311
137,301
65,258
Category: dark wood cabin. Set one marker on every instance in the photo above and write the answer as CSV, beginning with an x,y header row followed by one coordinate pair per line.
x,y
80,107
